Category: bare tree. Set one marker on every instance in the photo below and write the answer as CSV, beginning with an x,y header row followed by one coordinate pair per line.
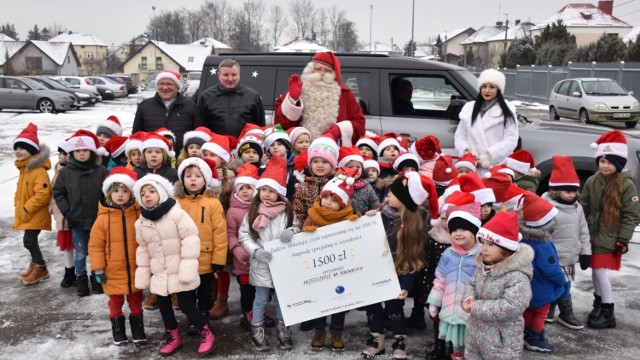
x,y
278,22
321,26
302,13
56,28
217,15
196,24
169,26
336,17
247,29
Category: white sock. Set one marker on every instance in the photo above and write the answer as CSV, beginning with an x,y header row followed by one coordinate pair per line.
x,y
68,256
604,285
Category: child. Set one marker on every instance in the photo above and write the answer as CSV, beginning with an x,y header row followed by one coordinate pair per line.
x,y
276,143
610,202
171,138
372,167
406,162
368,147
404,220
33,193
471,183
167,259
364,198
77,192
498,292
115,152
268,215
193,141
427,150
218,149
455,269
466,164
300,138
105,130
548,282
250,150
157,153
132,150
526,176
570,234
443,173
112,250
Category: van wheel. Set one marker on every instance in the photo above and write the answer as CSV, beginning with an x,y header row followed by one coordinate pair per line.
x,y
553,114
630,124
584,117
46,106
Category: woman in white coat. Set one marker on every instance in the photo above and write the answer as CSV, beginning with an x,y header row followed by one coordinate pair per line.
x,y
488,126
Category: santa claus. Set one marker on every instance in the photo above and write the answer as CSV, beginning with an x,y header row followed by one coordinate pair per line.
x,y
319,102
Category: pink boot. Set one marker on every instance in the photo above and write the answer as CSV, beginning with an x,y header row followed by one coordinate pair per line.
x,y
207,339
172,342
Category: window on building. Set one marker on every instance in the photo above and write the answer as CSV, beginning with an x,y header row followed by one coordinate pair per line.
x,y
143,63
190,59
88,54
68,59
159,63
33,63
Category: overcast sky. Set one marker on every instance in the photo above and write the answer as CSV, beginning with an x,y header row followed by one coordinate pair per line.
x,y
117,21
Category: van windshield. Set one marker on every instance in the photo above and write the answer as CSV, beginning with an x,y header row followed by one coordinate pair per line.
x,y
469,78
603,88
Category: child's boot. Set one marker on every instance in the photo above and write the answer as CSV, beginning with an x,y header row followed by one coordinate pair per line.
x,y
551,315
337,344
597,302
207,339
439,348
69,278
566,317
538,342
118,331
399,347
375,346
416,319
284,336
83,285
151,303
245,321
137,329
318,340
259,338
39,273
25,273
172,342
269,322
221,307
606,318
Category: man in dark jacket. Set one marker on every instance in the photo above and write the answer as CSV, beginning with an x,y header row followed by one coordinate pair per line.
x,y
226,107
167,108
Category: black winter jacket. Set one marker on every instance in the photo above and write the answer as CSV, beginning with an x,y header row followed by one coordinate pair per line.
x,y
166,171
179,118
77,194
225,112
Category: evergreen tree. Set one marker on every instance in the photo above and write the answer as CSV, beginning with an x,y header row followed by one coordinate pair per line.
x,y
410,48
34,34
440,48
45,35
555,45
8,66
607,49
9,30
633,50
520,52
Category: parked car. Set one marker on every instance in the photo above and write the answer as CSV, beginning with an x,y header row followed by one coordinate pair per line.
x,y
84,97
593,100
78,82
23,93
148,90
132,87
191,83
75,87
110,89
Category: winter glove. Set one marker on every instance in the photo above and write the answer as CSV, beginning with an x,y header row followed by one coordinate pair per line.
x,y
485,160
216,267
241,254
286,235
101,277
335,132
295,87
433,311
263,255
621,248
585,261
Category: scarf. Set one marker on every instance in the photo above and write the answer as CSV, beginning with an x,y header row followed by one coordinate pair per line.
x,y
267,210
440,235
322,217
81,165
158,212
360,183
486,106
20,164
389,212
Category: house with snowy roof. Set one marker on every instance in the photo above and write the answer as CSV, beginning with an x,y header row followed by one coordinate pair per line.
x,y
500,42
632,36
218,46
378,48
4,37
452,40
587,22
35,57
301,45
91,51
478,45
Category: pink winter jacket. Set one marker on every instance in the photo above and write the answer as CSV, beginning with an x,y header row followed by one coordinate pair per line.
x,y
426,168
237,210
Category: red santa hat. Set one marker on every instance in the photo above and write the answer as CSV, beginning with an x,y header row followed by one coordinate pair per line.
x,y
392,139
218,145
472,183
417,190
454,186
171,75
109,127
347,154
163,131
370,163
134,142
464,216
119,175
326,148
512,197
116,146
563,174
404,160
28,139
329,59
502,230
521,161
443,170
246,174
341,185
468,161
274,175
155,140
160,183
296,131
251,141
198,136
251,128
457,198
369,142
85,140
499,183
611,143
502,168
426,148
276,133
299,163
536,211
207,168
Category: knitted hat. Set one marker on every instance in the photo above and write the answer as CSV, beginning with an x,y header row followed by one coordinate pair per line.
x,y
502,230
326,148
392,139
613,146
198,136
454,185
492,76
512,197
329,59
417,190
347,154
85,140
218,145
155,140
172,75
276,133
134,142
426,148
536,211
443,170
63,147
500,183
341,185
368,142
246,174
160,183
207,168
275,175
472,183
402,161
296,131
166,133
563,174
28,139
464,216
251,141
116,146
521,161
109,127
457,198
120,175
467,160
370,163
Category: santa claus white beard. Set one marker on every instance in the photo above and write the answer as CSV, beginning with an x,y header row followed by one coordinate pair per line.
x,y
320,98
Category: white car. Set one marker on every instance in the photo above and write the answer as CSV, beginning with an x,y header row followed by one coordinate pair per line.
x,y
147,90
109,88
78,82
192,83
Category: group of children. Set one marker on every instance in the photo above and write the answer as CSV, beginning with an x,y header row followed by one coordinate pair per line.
x,y
488,258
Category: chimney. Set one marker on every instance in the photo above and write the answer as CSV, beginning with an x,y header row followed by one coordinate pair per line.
x,y
70,32
517,22
606,6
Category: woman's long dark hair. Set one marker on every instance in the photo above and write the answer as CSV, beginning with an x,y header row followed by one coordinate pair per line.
x,y
508,115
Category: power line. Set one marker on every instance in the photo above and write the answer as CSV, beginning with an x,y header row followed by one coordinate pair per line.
x,y
625,3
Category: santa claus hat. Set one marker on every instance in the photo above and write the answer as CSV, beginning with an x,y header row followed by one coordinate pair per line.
x,y
134,142
499,183
457,198
296,131
341,185
369,142
329,59
512,197
502,230
536,211
492,76
109,127
276,133
171,75
275,175
116,146
218,145
426,148
521,161
119,175
464,216
28,139
198,136
154,140
443,170
563,174
347,154
207,168
250,128
251,141
405,160
299,163
611,143
468,161
63,147
472,183
160,183
417,191
502,168
454,186
163,131
326,148
246,174
392,139
85,140
370,163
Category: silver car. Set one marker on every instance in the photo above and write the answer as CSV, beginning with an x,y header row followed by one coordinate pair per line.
x,y
22,93
147,90
108,87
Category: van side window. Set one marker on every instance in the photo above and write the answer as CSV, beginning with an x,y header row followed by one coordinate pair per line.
x,y
359,85
422,95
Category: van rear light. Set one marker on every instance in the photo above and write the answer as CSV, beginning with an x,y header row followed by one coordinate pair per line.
x,y
88,82
121,87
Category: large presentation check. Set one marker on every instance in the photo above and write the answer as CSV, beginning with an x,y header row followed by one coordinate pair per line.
x,y
336,268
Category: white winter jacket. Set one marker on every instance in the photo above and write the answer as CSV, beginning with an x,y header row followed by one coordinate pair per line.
x,y
571,232
259,273
167,254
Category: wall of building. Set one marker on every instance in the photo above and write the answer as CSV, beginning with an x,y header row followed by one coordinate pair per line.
x,y
134,66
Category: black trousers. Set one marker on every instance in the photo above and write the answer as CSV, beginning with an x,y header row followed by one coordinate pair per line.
x,y
203,293
188,306
30,242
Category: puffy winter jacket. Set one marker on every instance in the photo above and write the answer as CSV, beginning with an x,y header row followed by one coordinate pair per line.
x,y
226,111
112,247
364,199
306,193
179,118
237,210
166,171
33,193
61,222
571,233
167,254
527,182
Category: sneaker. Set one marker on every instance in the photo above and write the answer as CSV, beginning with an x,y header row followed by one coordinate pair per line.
x,y
538,343
151,303
40,272
318,340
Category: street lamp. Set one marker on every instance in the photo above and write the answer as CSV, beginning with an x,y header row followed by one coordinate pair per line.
x,y
370,26
413,10
155,35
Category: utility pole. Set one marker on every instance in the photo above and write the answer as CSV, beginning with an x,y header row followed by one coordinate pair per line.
x,y
370,26
413,11
506,32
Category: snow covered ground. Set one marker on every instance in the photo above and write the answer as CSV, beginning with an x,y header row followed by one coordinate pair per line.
x,y
48,322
